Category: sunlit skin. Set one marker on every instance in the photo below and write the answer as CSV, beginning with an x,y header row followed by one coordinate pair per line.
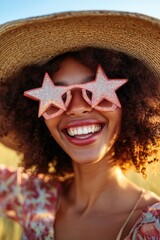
x,y
94,204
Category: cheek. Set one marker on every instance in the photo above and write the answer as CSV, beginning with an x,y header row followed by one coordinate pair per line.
x,y
114,120
51,125
114,117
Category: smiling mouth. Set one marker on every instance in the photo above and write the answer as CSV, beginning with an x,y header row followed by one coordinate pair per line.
x,y
83,132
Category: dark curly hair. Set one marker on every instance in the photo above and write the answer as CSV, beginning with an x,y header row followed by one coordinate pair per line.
x,y
139,98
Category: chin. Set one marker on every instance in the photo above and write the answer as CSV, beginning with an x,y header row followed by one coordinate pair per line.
x,y
87,158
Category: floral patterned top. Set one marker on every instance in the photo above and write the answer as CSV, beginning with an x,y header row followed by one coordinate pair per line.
x,y
32,202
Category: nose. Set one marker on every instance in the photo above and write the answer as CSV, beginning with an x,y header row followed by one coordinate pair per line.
x,y
78,105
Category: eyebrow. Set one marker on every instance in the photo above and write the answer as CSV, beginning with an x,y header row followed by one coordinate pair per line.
x,y
85,80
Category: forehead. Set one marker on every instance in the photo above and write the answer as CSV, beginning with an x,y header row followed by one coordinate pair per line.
x,y
71,71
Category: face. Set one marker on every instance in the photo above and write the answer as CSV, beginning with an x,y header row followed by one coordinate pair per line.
x,y
85,134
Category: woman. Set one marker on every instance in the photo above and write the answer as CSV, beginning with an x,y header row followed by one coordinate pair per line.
x,y
98,93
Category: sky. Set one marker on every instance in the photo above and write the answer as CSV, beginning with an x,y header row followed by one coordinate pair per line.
x,y
17,9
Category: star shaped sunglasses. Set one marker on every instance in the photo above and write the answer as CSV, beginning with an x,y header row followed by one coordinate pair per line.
x,y
100,94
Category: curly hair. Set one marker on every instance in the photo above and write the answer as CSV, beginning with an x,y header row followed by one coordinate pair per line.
x,y
138,140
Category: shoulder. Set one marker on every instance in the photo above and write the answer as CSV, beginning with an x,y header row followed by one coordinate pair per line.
x,y
148,224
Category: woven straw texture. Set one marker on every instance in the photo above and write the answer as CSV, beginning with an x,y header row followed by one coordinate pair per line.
x,y
36,40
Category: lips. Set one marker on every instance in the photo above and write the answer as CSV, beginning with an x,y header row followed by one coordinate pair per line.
x,y
83,132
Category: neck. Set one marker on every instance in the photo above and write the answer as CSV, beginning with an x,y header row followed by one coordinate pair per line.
x,y
93,182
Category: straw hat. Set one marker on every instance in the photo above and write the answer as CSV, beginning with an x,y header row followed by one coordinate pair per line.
x,y
36,40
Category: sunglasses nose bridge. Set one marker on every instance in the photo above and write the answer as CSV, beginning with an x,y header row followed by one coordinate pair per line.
x,y
73,92
76,102
76,89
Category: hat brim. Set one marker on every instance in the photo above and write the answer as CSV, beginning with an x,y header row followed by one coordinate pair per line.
x,y
36,40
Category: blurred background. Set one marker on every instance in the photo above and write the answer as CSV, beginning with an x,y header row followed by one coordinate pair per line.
x,y
16,9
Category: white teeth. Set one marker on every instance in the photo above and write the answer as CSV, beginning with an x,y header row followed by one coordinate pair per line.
x,y
83,130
